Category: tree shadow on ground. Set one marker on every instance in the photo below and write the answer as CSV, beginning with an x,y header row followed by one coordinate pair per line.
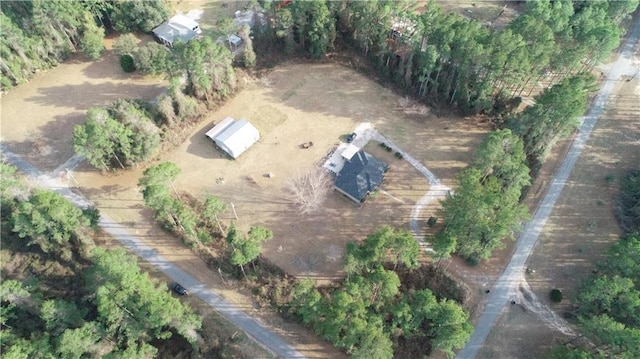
x,y
49,145
87,95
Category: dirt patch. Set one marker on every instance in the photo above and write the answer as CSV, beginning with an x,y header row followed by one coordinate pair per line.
x,y
496,14
519,334
299,103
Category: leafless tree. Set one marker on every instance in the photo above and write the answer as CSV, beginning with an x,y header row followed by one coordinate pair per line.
x,y
309,190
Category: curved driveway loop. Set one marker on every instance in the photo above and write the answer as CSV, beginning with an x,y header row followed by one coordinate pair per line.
x,y
514,273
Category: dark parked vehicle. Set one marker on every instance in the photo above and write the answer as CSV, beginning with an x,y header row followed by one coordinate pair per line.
x,y
351,137
180,289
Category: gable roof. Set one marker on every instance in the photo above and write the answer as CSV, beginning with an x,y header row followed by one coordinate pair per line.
x,y
178,27
361,175
234,137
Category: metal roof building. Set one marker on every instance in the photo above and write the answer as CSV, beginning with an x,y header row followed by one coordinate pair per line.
x,y
234,137
178,27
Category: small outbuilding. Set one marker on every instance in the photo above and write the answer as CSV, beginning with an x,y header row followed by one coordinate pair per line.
x,y
361,175
234,41
234,137
179,27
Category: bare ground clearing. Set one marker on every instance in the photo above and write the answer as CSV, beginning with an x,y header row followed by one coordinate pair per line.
x,y
288,113
318,103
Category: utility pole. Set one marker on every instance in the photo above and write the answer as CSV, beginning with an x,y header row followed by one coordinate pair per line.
x,y
233,207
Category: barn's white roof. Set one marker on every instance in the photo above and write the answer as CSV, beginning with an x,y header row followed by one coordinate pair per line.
x,y
234,137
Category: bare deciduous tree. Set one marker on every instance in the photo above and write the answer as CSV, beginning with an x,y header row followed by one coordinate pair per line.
x,y
308,190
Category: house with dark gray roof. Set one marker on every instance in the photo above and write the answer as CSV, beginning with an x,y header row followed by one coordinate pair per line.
x,y
361,175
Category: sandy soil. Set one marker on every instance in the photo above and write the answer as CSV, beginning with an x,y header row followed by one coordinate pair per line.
x,y
303,103
295,103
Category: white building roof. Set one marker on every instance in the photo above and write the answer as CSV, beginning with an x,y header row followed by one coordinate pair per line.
x,y
235,40
350,151
217,129
234,137
178,27
185,21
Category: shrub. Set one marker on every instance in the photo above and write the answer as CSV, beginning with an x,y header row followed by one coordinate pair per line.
x,y
127,64
154,59
432,221
126,44
384,145
610,179
472,261
93,214
555,295
399,155
204,237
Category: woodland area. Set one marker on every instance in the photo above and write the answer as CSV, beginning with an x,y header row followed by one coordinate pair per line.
x,y
67,298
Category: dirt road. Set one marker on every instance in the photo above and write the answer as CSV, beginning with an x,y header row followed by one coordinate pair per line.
x,y
249,325
508,286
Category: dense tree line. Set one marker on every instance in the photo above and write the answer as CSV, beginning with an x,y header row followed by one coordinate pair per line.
x,y
38,34
554,115
485,208
369,314
74,300
157,186
447,58
196,222
206,65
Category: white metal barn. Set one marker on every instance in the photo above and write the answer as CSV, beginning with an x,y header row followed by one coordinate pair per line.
x,y
234,137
